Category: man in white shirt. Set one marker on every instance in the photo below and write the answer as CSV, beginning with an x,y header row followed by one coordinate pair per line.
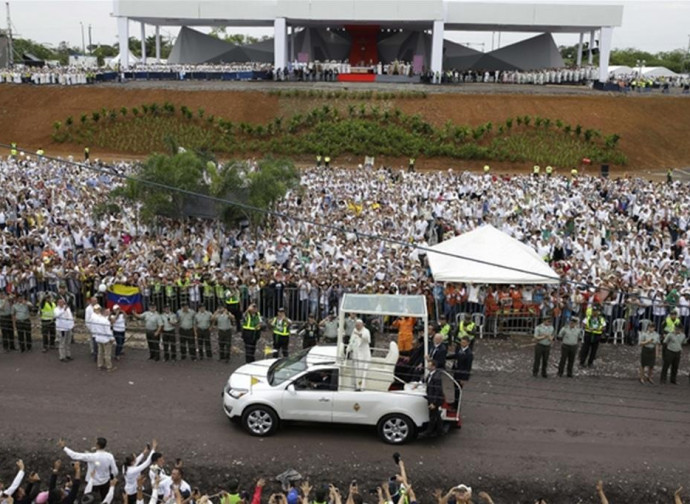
x,y
102,464
64,323
360,352
103,334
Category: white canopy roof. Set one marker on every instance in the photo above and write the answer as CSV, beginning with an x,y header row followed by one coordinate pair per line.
x,y
620,70
489,256
658,71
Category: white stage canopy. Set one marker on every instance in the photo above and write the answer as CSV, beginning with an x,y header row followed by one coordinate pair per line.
x,y
489,256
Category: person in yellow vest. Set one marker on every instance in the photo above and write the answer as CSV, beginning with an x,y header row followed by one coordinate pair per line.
x,y
535,170
487,168
327,161
669,176
410,167
549,171
232,302
251,332
467,329
672,321
40,153
47,308
573,172
13,149
208,293
318,161
281,333
595,324
86,153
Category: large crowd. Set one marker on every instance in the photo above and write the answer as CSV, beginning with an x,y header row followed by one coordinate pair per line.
x,y
620,243
94,477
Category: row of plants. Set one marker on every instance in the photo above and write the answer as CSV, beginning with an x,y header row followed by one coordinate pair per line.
x,y
353,129
344,94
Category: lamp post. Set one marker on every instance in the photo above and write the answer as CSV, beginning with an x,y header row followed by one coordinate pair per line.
x,y
83,43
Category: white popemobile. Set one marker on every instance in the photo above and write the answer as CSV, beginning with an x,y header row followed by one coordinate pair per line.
x,y
325,384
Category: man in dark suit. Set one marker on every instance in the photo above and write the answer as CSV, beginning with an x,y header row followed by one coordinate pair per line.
x,y
434,396
439,352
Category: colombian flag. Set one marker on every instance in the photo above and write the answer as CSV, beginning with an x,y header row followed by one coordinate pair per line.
x,y
129,298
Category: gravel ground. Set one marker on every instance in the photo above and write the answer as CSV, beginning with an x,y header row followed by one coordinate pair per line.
x,y
522,437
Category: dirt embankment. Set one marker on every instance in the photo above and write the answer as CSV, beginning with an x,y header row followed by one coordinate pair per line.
x,y
655,131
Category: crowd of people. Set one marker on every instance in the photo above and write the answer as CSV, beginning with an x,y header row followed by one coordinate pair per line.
x,y
619,243
95,478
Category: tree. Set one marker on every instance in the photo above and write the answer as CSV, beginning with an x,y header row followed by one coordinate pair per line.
x,y
270,182
220,32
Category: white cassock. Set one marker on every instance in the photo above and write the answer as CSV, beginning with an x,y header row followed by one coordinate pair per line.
x,y
360,353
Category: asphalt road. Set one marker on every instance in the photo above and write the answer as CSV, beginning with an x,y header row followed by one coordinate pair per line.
x,y
522,437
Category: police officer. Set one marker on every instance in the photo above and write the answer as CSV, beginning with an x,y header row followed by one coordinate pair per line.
x,y
251,332
40,153
487,169
570,337
549,171
673,345
329,326
21,319
535,170
595,324
186,320
318,161
13,150
327,161
153,323
170,321
6,327
202,331
467,328
281,333
224,320
649,340
410,167
47,309
86,153
671,322
232,300
543,336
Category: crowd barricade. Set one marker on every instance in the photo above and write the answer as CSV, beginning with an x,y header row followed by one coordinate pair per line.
x,y
508,324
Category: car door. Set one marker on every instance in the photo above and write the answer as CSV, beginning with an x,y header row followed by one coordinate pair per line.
x,y
357,407
309,397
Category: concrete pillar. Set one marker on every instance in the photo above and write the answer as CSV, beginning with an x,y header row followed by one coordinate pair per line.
x,y
143,43
158,44
280,43
123,39
437,48
590,57
292,43
605,40
579,49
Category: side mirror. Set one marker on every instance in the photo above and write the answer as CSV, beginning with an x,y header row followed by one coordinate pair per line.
x,y
291,388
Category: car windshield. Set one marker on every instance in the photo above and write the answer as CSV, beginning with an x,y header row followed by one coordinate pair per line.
x,y
286,368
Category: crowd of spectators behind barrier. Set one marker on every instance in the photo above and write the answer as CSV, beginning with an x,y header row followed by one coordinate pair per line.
x,y
328,71
147,477
620,243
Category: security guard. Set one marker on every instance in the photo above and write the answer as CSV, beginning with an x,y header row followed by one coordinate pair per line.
x,y
186,321
21,319
232,302
47,309
86,153
669,176
40,153
467,328
543,336
570,337
549,171
251,332
208,293
281,333
327,161
487,169
535,170
318,161
13,149
170,320
6,322
410,167
595,324
573,172
224,321
202,331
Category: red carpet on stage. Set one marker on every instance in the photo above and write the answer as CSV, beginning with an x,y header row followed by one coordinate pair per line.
x,y
356,78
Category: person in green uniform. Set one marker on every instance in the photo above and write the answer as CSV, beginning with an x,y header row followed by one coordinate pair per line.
x,y
224,321
47,310
154,327
570,337
543,336
6,327
21,320
673,347
649,341
281,333
170,321
186,319
202,331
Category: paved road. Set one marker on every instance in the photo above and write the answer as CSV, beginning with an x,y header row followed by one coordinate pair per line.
x,y
521,436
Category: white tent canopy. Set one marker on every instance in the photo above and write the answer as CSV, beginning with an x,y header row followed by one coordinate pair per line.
x,y
658,72
488,256
618,70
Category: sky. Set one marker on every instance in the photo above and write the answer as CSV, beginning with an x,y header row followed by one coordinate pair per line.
x,y
656,25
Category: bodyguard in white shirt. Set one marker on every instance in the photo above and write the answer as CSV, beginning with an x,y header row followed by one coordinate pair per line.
x,y
103,463
64,323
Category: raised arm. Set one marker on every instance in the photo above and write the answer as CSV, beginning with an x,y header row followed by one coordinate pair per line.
x,y
17,479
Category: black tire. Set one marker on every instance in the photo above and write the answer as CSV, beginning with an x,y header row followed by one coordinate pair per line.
x,y
260,420
396,429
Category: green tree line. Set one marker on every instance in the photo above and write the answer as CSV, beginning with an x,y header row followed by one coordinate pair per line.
x,y
677,60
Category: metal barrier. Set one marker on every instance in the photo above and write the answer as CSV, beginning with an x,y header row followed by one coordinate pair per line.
x,y
509,324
